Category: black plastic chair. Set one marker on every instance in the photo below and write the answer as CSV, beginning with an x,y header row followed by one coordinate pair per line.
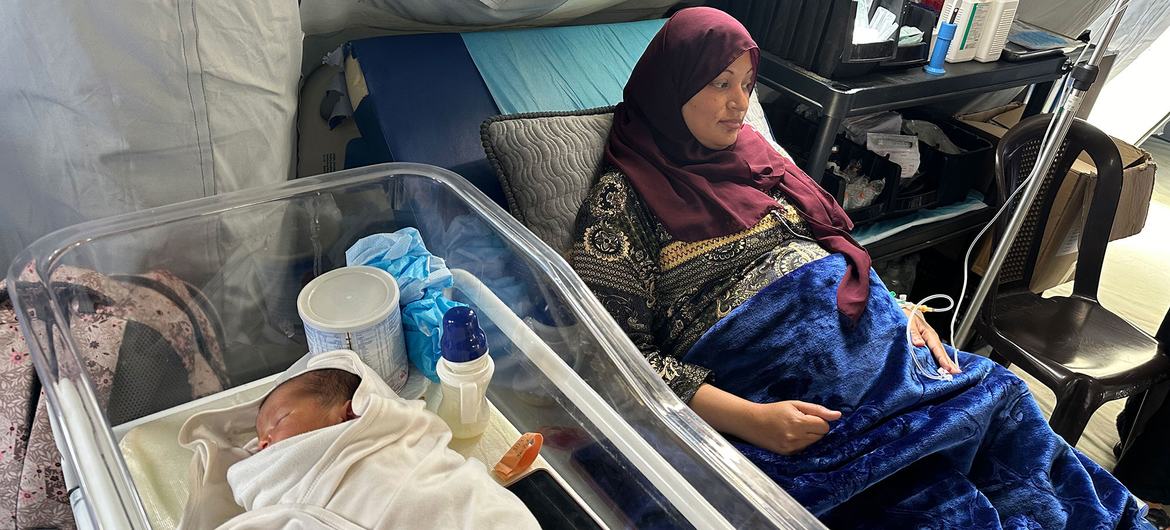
x,y
1147,440
1086,354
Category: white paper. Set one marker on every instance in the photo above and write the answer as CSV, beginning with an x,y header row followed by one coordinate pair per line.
x,y
879,28
1072,242
884,22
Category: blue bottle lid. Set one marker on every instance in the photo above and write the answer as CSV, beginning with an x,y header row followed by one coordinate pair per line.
x,y
463,340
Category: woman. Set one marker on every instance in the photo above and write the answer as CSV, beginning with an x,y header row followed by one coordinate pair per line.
x,y
689,237
649,220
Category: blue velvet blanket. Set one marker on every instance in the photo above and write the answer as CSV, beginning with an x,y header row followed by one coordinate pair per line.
x,y
908,452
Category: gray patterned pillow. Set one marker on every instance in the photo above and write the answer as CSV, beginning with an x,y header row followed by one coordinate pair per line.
x,y
546,163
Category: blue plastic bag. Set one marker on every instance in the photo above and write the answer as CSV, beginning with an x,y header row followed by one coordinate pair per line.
x,y
421,279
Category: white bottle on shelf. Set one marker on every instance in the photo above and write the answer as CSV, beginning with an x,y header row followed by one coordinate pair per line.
x,y
464,373
971,25
1000,18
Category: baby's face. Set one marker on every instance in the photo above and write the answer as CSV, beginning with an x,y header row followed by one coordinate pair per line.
x,y
290,410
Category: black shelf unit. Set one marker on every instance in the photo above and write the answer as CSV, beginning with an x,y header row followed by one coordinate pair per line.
x,y
902,88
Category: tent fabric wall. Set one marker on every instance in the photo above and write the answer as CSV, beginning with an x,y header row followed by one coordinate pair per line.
x,y
1068,17
1133,103
391,17
116,106
1143,23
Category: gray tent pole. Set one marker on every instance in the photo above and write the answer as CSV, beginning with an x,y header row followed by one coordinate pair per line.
x,y
1083,76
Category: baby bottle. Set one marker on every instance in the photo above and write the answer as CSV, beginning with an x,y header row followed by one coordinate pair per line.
x,y
464,373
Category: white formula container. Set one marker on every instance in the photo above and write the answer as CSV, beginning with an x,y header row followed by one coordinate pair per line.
x,y
356,308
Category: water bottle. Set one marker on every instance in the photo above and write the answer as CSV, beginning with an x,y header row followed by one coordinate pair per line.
x,y
464,371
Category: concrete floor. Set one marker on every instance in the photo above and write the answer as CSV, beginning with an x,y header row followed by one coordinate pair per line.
x,y
1135,284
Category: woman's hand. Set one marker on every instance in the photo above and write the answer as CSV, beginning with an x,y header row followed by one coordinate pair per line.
x,y
924,335
786,427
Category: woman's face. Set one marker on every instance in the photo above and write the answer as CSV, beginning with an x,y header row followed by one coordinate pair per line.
x,y
716,113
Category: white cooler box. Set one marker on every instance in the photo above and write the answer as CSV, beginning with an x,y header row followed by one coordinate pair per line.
x,y
615,436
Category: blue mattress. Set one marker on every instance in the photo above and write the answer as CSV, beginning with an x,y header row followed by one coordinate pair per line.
x,y
425,102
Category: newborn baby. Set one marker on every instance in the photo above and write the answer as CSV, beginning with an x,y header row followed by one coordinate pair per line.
x,y
332,446
310,401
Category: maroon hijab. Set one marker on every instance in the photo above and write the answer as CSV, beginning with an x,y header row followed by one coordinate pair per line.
x,y
699,193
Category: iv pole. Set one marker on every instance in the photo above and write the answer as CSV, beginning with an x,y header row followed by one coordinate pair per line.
x,y
1083,75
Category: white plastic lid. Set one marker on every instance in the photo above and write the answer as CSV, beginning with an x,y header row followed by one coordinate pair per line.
x,y
348,299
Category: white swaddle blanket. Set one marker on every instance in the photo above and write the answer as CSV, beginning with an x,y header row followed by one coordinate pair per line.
x,y
389,468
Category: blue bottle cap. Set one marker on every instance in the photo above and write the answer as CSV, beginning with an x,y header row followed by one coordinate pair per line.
x,y
463,340
947,30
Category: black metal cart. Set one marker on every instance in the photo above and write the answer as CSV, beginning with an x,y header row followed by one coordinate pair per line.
x,y
894,89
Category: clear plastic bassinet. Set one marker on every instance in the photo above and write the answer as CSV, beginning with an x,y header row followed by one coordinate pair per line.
x,y
615,435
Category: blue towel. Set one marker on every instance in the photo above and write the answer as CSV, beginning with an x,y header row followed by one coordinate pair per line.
x,y
908,452
565,68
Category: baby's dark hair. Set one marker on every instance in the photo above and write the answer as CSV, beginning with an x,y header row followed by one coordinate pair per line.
x,y
329,386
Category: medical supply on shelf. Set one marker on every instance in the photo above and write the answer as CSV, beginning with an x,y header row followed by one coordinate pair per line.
x,y
878,27
1003,13
933,135
860,189
465,370
857,127
942,43
901,149
971,24
356,308
909,35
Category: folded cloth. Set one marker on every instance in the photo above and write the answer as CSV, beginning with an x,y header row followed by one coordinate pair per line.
x,y
908,451
389,468
421,279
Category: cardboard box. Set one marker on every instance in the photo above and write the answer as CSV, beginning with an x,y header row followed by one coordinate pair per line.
x,y
1055,263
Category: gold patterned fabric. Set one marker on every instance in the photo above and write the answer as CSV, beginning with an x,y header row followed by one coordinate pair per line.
x,y
665,293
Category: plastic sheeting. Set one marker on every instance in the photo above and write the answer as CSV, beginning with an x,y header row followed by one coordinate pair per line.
x,y
116,106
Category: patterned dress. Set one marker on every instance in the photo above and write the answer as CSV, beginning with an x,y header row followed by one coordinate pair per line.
x,y
666,293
